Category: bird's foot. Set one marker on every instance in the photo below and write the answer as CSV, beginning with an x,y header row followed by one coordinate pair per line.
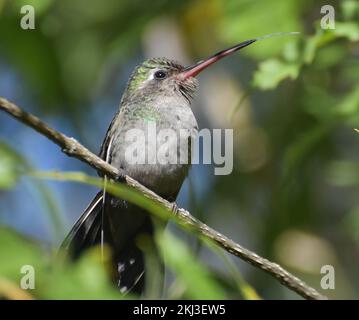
x,y
174,208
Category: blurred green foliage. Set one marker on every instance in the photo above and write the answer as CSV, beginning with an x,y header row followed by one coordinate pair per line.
x,y
87,279
197,281
299,103
10,163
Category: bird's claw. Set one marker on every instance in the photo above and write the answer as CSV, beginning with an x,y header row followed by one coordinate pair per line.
x,y
174,208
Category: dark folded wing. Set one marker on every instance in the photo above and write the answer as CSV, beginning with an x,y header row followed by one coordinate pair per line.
x,y
87,230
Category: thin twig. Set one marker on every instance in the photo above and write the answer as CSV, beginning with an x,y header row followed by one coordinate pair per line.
x,y
73,148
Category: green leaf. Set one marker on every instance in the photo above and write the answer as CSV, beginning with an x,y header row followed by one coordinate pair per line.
x,y
350,8
198,282
314,42
120,190
271,72
85,279
318,102
349,30
330,56
247,19
343,173
10,164
348,108
15,252
291,51
40,6
247,291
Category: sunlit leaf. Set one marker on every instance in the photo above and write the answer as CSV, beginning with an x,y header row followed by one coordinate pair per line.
x,y
271,72
349,30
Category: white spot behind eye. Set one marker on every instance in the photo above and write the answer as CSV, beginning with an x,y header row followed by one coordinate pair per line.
x,y
152,75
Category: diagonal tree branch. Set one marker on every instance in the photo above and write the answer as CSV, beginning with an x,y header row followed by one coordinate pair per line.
x,y
73,148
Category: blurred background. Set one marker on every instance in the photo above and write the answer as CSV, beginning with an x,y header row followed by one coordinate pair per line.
x,y
293,102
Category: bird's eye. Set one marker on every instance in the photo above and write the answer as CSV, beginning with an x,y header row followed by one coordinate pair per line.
x,y
160,74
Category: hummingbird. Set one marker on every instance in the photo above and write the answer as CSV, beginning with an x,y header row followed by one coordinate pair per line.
x,y
159,91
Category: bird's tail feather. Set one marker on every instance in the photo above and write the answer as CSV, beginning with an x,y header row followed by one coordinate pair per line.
x,y
128,261
85,231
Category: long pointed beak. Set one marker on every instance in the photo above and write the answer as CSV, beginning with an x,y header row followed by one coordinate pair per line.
x,y
196,68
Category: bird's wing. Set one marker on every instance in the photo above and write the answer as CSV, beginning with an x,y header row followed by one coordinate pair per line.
x,y
85,232
106,142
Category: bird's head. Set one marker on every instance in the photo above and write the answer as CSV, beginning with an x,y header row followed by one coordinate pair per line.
x,y
162,76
